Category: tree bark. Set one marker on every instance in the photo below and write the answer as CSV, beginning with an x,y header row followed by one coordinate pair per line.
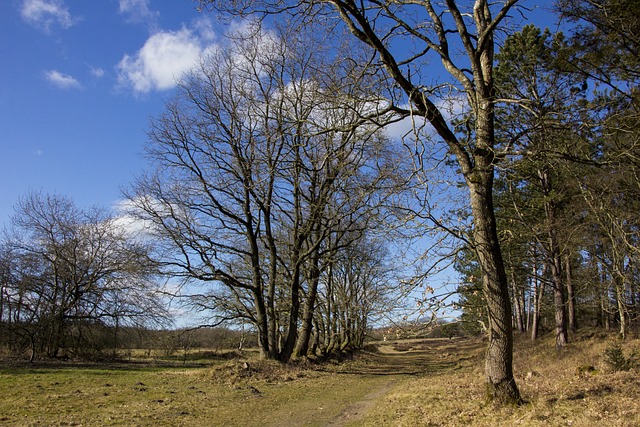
x,y
537,302
294,315
302,345
518,303
571,298
559,302
622,306
501,385
554,260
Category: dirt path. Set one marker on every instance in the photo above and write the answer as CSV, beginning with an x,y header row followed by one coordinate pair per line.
x,y
399,362
330,394
357,410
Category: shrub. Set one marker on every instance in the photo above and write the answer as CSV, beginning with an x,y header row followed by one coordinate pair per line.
x,y
614,356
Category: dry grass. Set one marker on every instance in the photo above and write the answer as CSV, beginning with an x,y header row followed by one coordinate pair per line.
x,y
435,382
573,387
224,393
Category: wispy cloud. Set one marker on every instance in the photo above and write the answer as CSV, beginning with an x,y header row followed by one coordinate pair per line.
x,y
96,72
61,80
43,14
163,59
130,218
204,29
139,11
414,127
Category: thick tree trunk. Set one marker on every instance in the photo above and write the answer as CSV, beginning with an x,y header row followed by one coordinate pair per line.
x,y
302,345
271,288
554,260
266,350
294,315
315,341
622,306
57,335
262,319
501,385
562,337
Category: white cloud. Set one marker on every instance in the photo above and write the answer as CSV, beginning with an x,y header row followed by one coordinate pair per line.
x,y
63,81
43,14
138,11
128,222
414,127
205,29
97,72
163,59
131,218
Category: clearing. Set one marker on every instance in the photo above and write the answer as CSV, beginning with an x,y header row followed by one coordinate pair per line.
x,y
426,382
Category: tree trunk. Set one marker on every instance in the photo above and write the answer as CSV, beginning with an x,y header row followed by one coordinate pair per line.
x,y
302,345
115,337
294,315
266,351
604,307
271,286
518,302
559,302
538,294
622,306
633,302
529,306
501,385
298,240
261,316
571,298
554,260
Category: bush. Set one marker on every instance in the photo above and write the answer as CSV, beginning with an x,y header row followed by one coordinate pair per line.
x,y
615,358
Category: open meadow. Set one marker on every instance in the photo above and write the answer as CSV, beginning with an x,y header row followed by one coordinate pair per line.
x,y
423,382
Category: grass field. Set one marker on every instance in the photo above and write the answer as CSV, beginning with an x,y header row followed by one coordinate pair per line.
x,y
408,383
573,387
223,394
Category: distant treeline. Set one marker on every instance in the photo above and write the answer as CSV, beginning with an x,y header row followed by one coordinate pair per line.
x,y
97,341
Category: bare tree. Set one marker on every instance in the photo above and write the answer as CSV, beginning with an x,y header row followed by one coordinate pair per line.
x,y
401,34
259,159
71,269
357,288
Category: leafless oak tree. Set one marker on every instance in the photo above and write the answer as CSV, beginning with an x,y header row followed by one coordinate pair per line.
x,y
259,160
401,35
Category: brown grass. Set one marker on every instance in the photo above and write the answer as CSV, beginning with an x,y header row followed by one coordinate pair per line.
x,y
434,382
573,387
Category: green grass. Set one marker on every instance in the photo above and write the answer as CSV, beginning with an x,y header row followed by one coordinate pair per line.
x,y
220,395
408,383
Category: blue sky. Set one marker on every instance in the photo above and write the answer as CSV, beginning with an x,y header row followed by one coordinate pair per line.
x,y
79,80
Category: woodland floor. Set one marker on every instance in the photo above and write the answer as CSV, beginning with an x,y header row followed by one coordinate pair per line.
x,y
434,382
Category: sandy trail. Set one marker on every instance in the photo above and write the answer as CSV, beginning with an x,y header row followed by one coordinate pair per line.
x,y
397,365
412,359
357,410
